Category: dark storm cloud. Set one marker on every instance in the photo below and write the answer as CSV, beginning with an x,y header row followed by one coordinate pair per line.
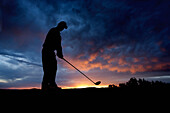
x,y
124,30
104,25
136,25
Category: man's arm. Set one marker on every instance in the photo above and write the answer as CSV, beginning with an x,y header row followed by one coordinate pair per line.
x,y
59,49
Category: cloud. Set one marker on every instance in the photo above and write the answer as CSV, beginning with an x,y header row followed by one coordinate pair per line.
x,y
12,80
19,57
16,69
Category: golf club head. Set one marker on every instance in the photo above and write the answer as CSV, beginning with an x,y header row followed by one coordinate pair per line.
x,y
97,83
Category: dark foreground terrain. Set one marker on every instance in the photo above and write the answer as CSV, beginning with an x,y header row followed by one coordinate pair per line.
x,y
102,93
87,99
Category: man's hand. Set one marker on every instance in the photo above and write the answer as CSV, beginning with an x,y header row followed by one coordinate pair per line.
x,y
60,55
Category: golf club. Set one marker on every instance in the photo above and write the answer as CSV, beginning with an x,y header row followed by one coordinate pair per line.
x,y
96,83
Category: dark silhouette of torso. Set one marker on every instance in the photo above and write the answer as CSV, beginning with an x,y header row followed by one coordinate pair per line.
x,y
53,41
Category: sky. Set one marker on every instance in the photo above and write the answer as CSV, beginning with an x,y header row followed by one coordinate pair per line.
x,y
108,40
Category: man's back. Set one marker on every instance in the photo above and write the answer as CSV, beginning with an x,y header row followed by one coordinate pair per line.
x,y
53,39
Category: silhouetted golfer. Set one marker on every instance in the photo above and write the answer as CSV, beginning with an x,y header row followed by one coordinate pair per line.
x,y
52,43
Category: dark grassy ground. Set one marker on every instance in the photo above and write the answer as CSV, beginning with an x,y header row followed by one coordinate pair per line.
x,y
86,100
87,92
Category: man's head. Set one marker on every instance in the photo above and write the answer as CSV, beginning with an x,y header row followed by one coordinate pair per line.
x,y
62,25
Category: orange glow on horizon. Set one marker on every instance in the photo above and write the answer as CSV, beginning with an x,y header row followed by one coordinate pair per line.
x,y
86,86
21,88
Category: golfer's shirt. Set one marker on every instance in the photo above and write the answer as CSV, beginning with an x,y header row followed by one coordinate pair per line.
x,y
53,41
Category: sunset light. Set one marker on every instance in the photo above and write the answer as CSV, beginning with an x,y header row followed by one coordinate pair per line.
x,y
86,86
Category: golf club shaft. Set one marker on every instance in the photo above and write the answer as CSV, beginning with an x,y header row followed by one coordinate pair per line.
x,y
79,71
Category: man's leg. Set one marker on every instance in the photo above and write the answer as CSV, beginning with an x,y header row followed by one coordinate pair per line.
x,y
46,80
53,84
46,68
53,73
